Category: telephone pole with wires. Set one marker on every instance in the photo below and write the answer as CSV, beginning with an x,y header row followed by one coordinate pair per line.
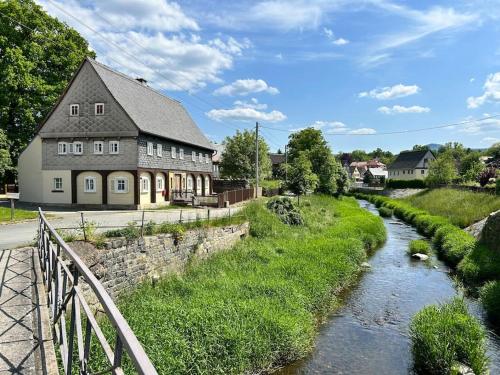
x,y
256,159
286,164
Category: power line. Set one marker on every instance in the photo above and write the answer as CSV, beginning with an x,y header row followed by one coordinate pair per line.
x,y
399,131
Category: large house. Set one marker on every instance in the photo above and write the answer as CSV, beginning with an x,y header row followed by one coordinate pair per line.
x,y
411,165
112,141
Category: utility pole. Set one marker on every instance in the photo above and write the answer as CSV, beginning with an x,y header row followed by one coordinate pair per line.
x,y
286,164
256,159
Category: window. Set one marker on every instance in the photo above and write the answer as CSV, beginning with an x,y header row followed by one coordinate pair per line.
x,y
99,109
114,147
200,157
62,148
206,158
90,185
159,184
74,109
181,153
121,185
150,148
193,156
98,147
58,186
404,171
78,148
144,185
159,149
422,171
174,152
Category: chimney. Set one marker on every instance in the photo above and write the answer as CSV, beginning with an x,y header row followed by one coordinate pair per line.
x,y
142,81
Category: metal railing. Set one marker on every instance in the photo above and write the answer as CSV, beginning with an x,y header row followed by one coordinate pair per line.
x,y
63,271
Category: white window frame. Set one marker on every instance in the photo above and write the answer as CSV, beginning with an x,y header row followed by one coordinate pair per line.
x,y
193,156
101,144
75,144
71,148
96,106
181,153
117,185
86,188
206,158
144,185
173,152
55,183
159,150
149,148
60,146
110,147
200,157
160,183
77,110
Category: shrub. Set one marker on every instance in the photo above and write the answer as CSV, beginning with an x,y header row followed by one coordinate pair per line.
x,y
490,297
405,184
480,265
446,334
130,232
497,186
455,245
419,246
286,211
385,211
88,229
149,228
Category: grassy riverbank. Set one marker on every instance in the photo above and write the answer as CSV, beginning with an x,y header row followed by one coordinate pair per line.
x,y
19,214
256,306
461,208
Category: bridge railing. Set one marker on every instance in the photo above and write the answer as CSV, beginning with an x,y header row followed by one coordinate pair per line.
x,y
63,271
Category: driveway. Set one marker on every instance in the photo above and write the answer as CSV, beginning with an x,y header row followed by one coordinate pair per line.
x,y
23,233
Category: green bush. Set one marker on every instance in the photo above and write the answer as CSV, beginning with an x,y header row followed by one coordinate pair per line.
x,y
497,186
455,245
446,334
385,211
490,298
130,232
480,265
405,184
286,211
419,246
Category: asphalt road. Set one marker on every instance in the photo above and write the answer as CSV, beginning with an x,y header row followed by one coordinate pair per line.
x,y
24,233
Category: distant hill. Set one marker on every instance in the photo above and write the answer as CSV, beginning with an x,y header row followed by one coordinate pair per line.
x,y
434,146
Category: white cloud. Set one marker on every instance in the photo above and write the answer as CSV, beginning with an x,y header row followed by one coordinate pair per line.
x,y
331,36
363,131
336,127
390,92
472,80
491,92
245,87
340,42
136,32
328,32
402,109
246,112
479,126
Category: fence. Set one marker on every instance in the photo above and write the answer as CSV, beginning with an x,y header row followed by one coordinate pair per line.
x,y
62,271
235,196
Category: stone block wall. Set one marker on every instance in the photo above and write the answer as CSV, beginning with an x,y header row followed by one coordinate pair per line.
x,y
123,264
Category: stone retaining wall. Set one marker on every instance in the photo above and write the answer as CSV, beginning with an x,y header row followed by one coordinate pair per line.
x,y
123,264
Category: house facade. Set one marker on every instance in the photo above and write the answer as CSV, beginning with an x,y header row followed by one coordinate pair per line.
x,y
112,141
411,165
357,169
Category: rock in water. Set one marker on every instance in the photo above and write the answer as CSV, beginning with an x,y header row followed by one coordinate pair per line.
x,y
461,369
420,256
366,265
490,234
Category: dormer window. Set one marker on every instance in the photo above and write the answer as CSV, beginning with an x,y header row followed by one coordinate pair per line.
x,y
99,109
150,148
174,152
74,109
181,153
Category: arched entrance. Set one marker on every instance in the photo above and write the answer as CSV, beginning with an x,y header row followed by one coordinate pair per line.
x,y
190,183
207,186
199,189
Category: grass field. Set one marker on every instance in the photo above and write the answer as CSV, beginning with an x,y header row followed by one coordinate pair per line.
x,y
18,214
258,305
462,208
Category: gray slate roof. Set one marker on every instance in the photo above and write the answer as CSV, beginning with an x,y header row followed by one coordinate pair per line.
x,y
152,112
408,159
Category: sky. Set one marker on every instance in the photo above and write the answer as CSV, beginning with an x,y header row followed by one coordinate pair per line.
x,y
355,69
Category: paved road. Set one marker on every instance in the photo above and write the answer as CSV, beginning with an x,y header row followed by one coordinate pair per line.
x,y
21,234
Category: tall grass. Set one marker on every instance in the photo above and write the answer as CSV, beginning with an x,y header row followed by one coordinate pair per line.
x,y
256,306
19,214
462,208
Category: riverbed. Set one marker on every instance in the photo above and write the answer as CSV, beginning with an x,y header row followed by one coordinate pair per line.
x,y
369,334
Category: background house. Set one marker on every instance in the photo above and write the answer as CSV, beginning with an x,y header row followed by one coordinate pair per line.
x,y
357,169
411,165
112,141
277,160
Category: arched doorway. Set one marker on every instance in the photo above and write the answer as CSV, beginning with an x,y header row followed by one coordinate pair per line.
x,y
199,189
207,186
190,183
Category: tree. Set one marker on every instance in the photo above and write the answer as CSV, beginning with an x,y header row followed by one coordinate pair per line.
x,y
238,159
310,141
470,167
442,171
420,148
301,178
5,162
359,155
485,176
36,63
494,151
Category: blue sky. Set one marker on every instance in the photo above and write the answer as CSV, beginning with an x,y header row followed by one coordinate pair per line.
x,y
353,69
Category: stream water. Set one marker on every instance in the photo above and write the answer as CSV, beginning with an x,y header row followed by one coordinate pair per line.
x,y
369,334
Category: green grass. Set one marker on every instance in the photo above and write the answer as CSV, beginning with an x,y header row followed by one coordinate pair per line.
x,y
19,214
490,295
461,208
443,335
385,211
419,246
270,184
256,306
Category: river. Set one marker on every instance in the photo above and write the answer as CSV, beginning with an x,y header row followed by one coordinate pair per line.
x,y
369,334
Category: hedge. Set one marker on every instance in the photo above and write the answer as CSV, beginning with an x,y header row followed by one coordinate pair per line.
x,y
405,184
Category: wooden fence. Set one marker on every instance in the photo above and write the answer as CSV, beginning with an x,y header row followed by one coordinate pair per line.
x,y
235,196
